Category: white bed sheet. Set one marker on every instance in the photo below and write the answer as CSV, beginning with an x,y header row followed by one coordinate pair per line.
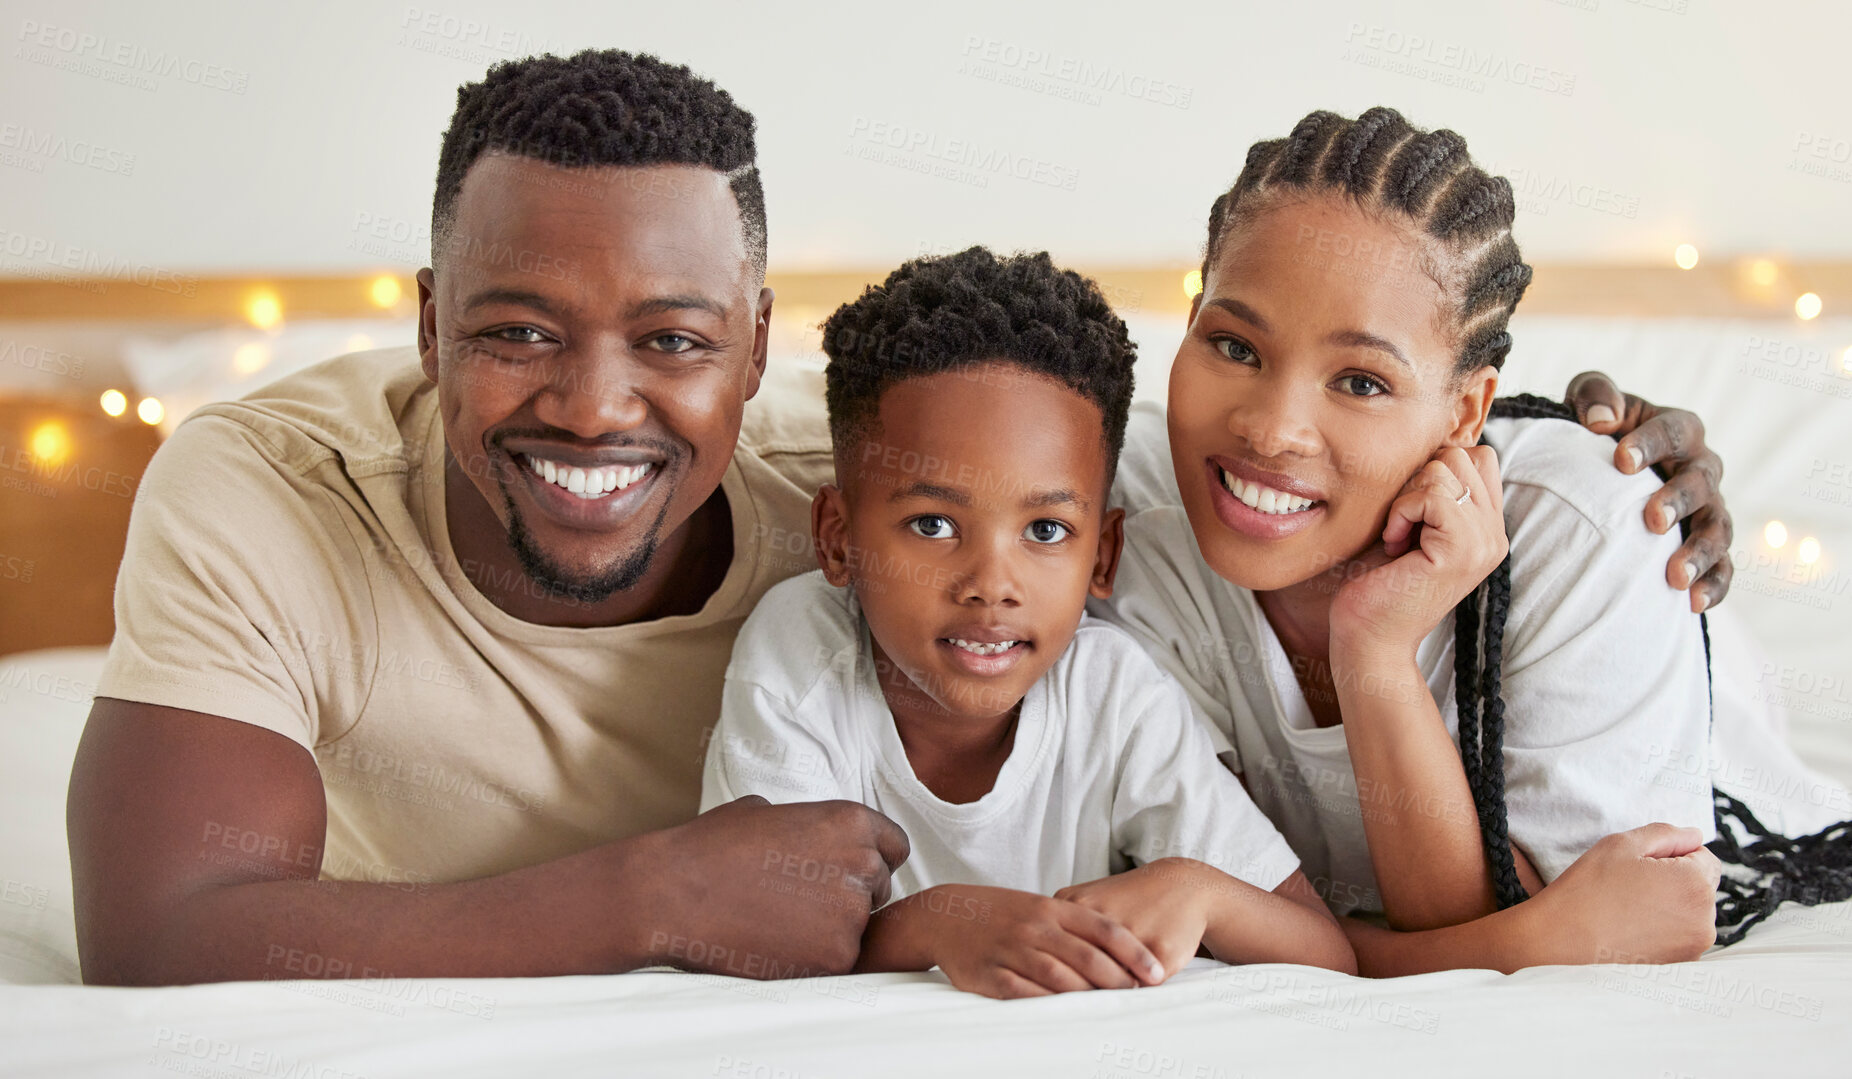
x,y
1780,1000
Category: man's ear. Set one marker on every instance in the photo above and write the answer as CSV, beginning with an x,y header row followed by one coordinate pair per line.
x,y
1473,406
1106,562
761,343
427,322
829,533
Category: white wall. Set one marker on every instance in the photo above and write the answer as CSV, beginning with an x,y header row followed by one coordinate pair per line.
x,y
1668,120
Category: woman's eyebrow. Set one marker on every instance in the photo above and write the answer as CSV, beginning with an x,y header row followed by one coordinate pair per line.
x,y
1241,311
1361,339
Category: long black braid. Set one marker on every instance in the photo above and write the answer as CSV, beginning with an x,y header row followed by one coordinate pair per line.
x,y
1810,870
1382,162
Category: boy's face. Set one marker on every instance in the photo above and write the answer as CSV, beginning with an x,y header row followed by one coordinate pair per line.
x,y
973,526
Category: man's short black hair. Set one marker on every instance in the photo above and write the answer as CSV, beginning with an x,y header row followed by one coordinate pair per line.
x,y
601,107
942,313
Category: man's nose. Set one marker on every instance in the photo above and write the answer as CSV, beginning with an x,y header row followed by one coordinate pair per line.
x,y
593,392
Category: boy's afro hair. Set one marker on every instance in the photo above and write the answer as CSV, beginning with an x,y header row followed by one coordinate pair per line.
x,y
941,313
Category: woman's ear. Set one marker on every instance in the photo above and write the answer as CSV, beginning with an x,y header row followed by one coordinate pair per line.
x,y
1473,406
829,533
1106,562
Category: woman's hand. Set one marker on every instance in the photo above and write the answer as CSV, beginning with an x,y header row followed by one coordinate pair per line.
x,y
1444,535
1647,895
1671,441
1165,904
1004,943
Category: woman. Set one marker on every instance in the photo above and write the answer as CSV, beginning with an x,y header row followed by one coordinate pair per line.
x,y
1326,507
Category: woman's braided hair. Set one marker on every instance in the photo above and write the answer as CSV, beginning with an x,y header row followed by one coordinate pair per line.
x,y
1384,163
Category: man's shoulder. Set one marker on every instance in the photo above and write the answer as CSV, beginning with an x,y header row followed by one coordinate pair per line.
x,y
364,408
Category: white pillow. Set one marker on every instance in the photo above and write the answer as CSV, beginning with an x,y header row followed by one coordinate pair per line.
x,y
44,698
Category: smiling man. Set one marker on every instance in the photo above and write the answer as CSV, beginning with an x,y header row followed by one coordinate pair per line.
x,y
417,650
449,627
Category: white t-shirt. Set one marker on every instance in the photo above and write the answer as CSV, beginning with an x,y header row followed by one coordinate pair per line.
x,y
1603,674
1109,768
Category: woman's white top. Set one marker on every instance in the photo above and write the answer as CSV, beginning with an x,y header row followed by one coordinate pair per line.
x,y
1607,711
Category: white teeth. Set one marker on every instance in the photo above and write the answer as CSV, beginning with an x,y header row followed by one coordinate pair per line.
x,y
588,483
1264,499
982,649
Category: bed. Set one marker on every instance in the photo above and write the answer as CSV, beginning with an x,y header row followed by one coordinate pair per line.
x,y
1778,397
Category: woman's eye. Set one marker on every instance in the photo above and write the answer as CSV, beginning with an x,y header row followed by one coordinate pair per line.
x,y
1235,349
931,526
1362,386
1046,531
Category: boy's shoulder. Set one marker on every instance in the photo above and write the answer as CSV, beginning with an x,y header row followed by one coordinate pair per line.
x,y
801,629
1105,663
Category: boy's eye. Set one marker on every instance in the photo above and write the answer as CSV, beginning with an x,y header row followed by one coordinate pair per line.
x,y
931,526
1361,386
1046,531
1236,349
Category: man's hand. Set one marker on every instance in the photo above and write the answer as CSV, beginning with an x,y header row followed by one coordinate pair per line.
x,y
1671,440
766,891
1006,944
1647,895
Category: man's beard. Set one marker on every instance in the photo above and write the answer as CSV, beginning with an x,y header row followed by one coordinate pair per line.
x,y
560,584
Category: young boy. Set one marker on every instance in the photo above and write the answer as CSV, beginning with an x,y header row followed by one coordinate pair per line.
x,y
1071,826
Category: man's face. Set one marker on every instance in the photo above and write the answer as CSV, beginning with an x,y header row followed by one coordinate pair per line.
x,y
594,334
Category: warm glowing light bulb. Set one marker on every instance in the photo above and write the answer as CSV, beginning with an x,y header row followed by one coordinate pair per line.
x,y
116,403
1763,272
1193,284
150,411
251,357
49,442
1686,256
1807,305
386,290
264,309
1810,550
1776,534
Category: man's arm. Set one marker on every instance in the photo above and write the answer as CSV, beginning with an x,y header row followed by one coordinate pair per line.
x,y
162,896
1671,442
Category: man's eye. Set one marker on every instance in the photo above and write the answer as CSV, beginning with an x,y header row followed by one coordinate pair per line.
x,y
518,335
1046,531
673,343
1236,349
931,526
1362,386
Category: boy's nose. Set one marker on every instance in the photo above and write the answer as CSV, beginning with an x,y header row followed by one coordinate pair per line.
x,y
988,581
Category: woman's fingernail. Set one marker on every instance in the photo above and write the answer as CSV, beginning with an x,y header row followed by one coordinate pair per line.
x,y
1635,458
1156,971
1600,414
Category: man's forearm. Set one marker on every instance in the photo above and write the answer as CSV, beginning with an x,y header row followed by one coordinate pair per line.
x,y
583,914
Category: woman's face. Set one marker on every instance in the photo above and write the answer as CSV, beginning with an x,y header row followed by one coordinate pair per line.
x,y
1317,376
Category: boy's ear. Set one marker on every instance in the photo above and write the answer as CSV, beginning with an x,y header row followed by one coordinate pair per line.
x,y
1106,563
1473,406
829,533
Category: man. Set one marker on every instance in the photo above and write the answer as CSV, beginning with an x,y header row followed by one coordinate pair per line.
x,y
450,633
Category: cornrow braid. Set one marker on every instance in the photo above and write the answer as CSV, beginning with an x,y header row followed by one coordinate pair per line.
x,y
1380,160
1773,869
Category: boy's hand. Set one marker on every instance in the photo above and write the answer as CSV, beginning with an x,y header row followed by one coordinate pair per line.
x,y
1006,944
1165,904
1671,441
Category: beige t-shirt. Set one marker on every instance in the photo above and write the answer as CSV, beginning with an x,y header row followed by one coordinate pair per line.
x,y
288,565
